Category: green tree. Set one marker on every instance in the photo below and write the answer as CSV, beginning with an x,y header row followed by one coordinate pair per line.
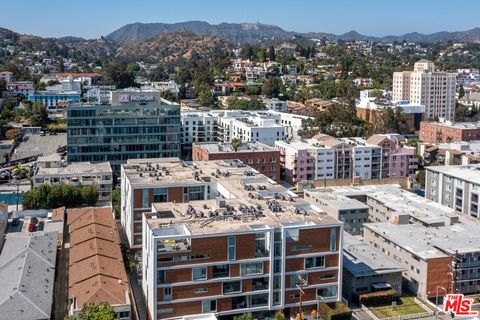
x,y
205,97
3,86
102,311
236,144
116,199
118,74
89,195
272,86
243,317
271,53
461,91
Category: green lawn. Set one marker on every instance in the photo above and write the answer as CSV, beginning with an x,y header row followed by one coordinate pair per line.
x,y
405,305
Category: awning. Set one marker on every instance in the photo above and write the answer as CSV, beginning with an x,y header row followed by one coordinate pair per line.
x,y
381,285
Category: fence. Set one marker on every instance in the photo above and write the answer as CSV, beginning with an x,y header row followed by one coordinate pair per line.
x,y
427,313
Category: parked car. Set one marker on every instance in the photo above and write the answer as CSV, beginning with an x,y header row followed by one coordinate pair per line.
x,y
15,222
40,226
32,224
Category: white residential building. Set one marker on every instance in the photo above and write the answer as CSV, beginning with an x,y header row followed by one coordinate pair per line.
x,y
426,86
80,174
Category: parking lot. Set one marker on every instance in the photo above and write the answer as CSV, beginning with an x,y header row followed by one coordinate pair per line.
x,y
22,225
37,144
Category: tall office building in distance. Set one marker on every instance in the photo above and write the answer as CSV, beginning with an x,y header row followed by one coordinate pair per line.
x,y
136,124
426,86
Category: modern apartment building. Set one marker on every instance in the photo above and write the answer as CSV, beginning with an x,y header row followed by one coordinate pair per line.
x,y
304,161
367,269
137,124
352,212
426,86
447,131
456,187
242,249
259,156
446,256
249,126
78,174
325,158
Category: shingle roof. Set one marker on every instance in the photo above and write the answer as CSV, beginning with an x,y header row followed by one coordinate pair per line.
x,y
97,272
27,270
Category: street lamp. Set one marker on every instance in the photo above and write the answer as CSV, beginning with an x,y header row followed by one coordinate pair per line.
x,y
319,298
436,300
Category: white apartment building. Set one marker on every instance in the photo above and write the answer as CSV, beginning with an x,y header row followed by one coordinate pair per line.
x,y
224,125
426,86
362,157
79,174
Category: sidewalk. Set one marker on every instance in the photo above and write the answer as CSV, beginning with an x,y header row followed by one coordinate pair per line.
x,y
139,305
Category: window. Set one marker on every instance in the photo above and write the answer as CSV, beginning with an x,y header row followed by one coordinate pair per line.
x,y
333,239
160,276
167,294
315,262
259,300
145,198
232,287
294,279
301,247
209,306
261,245
165,311
252,268
160,195
292,235
199,274
201,290
232,247
221,271
327,292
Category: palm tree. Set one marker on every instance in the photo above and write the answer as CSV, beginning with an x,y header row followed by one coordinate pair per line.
x,y
236,143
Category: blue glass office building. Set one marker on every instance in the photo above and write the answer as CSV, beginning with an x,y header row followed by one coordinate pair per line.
x,y
137,124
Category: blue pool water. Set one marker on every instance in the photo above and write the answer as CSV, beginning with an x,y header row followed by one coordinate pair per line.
x,y
11,198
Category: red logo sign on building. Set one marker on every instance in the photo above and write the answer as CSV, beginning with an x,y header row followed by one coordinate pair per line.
x,y
458,305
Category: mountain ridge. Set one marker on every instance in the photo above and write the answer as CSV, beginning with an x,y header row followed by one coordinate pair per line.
x,y
257,32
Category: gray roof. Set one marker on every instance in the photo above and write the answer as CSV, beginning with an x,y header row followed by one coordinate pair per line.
x,y
216,147
469,172
361,260
27,273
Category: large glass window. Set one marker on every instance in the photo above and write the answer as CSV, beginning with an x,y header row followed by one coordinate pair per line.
x,y
259,300
333,239
259,284
239,302
160,276
199,274
252,268
160,195
327,292
315,262
232,287
294,279
209,306
196,193
221,271
232,247
145,198
261,245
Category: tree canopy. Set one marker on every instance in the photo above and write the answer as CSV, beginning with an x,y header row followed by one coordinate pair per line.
x,y
53,196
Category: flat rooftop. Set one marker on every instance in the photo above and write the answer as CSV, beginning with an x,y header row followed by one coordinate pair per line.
x,y
79,168
227,147
427,242
246,200
469,172
457,125
362,260
419,208
337,201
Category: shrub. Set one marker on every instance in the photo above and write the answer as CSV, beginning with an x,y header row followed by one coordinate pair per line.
x,y
378,297
334,311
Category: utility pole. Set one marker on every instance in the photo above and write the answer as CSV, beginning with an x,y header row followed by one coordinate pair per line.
x,y
301,283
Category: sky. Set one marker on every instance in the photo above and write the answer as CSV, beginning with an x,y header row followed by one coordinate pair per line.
x,y
95,18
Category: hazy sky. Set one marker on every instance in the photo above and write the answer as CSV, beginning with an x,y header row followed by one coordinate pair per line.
x,y
91,19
